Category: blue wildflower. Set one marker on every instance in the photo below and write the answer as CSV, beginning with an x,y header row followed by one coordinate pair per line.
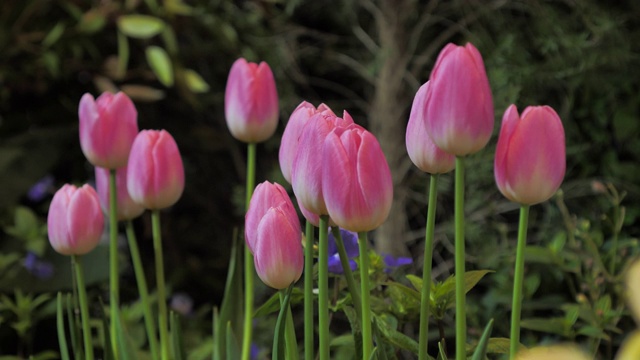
x,y
350,240
40,189
393,262
41,269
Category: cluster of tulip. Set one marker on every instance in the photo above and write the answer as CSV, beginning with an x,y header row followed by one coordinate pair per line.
x,y
340,176
340,179
134,171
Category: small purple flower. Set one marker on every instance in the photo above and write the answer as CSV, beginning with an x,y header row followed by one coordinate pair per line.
x,y
181,303
41,189
41,269
393,262
350,240
254,352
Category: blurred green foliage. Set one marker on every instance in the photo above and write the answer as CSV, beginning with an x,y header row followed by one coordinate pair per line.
x,y
172,57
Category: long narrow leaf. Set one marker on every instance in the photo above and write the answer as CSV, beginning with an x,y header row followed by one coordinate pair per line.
x,y
231,307
278,352
106,332
74,329
215,319
62,339
124,345
481,348
233,350
176,336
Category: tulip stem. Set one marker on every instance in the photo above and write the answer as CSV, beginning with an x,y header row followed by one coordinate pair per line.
x,y
113,254
308,291
249,269
348,274
461,318
84,307
162,303
517,282
426,270
367,340
143,291
323,287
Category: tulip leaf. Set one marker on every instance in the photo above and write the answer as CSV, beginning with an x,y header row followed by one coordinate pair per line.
x,y
233,352
140,26
441,352
62,340
279,351
176,336
481,349
74,327
160,63
195,82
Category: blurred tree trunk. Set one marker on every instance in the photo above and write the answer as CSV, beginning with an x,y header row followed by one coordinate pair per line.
x,y
387,114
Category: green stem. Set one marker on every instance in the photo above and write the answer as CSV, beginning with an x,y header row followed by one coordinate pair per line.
x,y
84,307
249,270
517,282
143,291
323,288
114,287
162,303
348,274
291,352
614,247
426,270
461,318
308,292
367,340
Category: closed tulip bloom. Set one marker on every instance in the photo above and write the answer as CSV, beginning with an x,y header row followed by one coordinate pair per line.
x,y
356,180
291,136
278,255
306,172
422,151
127,208
155,174
265,196
108,126
459,106
251,101
75,221
530,156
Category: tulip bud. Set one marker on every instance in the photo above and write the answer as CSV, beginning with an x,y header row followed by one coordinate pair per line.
x,y
265,196
108,126
251,101
155,174
530,155
291,136
306,172
274,236
356,180
422,151
127,208
459,106
75,221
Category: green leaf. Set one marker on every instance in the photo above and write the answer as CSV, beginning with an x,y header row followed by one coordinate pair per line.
x,y
442,354
554,325
176,336
123,55
404,300
195,82
124,345
233,351
160,63
279,350
415,281
140,26
501,346
481,348
231,307
53,35
393,336
91,22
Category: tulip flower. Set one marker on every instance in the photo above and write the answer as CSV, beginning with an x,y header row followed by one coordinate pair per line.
x,y
265,196
422,151
251,101
75,221
289,143
356,180
530,155
108,126
306,172
127,208
459,106
274,235
155,174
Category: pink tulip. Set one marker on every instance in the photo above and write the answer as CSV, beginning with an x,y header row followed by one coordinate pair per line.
x,y
75,221
356,180
292,132
459,106
530,157
306,172
265,196
278,257
422,151
155,174
127,208
251,101
108,126
273,234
